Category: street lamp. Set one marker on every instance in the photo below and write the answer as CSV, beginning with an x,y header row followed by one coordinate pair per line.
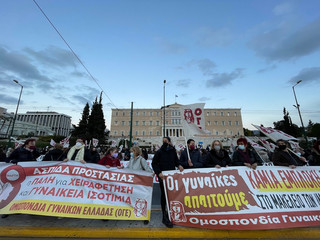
x,y
164,108
15,116
298,107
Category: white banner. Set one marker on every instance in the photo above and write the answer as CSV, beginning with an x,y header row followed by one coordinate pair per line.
x,y
193,119
274,134
75,190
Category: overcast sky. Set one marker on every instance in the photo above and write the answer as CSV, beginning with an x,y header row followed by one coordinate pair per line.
x,y
228,54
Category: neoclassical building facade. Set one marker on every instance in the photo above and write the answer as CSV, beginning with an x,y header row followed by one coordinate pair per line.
x,y
148,122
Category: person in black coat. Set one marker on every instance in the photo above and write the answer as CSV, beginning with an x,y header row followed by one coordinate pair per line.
x,y
195,158
217,157
283,157
245,156
27,152
165,159
56,154
95,156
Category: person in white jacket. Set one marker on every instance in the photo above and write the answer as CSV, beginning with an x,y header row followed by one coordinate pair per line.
x,y
137,162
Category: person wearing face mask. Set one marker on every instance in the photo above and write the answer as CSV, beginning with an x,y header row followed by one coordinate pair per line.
x,y
110,159
137,162
165,159
314,157
193,159
27,152
79,152
217,157
245,156
95,156
282,156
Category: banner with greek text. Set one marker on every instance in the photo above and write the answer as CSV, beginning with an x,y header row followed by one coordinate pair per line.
x,y
244,199
75,190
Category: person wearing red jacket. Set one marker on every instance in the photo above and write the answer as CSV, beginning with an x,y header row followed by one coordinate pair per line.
x,y
110,159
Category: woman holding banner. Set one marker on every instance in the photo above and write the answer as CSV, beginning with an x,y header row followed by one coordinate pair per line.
x,y
110,159
137,162
217,156
245,156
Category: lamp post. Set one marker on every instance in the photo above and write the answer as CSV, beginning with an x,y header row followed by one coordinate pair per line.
x,y
15,116
164,108
298,107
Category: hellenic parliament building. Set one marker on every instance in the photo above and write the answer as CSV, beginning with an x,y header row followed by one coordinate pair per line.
x,y
148,124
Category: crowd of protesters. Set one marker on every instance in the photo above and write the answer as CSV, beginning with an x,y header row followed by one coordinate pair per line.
x,y
167,158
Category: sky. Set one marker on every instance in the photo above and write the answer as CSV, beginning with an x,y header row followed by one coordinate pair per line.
x,y
227,54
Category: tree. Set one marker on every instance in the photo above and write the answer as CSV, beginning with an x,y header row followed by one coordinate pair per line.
x,y
96,122
315,130
287,126
247,132
82,129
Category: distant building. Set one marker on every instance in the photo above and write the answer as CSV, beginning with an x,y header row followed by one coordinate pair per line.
x,y
148,123
20,127
58,123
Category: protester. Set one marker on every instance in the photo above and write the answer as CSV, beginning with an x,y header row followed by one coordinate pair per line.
x,y
95,156
314,157
245,156
165,159
203,155
282,156
27,152
2,155
79,152
137,162
144,154
110,159
193,160
217,157
56,154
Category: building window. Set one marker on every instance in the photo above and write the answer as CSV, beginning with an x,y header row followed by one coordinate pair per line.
x,y
158,123
150,114
221,114
237,123
158,114
115,132
144,113
208,123
228,114
150,133
215,113
215,122
238,133
217,133
137,113
208,114
115,122
150,123
129,123
143,123
137,133
123,114
230,123
122,133
223,123
137,123
231,132
122,123
179,121
116,113
143,133
158,133
235,114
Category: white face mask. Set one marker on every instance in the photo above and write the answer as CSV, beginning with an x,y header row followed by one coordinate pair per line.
x,y
78,144
217,148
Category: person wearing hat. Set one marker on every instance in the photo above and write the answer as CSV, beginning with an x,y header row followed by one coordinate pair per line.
x,y
79,152
27,152
245,156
